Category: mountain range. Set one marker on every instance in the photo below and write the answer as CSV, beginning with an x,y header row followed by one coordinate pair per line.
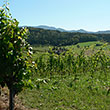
x,y
63,30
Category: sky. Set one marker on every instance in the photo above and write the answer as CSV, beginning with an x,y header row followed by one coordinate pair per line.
x,y
91,15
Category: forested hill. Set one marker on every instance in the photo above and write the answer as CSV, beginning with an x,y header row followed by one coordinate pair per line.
x,y
56,38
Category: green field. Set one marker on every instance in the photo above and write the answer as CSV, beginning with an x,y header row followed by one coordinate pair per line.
x,y
73,80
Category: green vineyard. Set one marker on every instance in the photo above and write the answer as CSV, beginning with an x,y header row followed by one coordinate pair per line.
x,y
75,79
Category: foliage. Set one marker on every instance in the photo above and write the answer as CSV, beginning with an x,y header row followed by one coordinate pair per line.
x,y
57,38
15,54
64,92
70,62
71,81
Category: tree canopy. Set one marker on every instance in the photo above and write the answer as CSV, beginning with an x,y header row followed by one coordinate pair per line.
x,y
15,55
56,38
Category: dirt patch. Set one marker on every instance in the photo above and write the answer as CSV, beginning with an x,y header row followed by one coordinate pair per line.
x,y
4,101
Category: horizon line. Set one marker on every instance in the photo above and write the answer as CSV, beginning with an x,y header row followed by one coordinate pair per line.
x,y
65,28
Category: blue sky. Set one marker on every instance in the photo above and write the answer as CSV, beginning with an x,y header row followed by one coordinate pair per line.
x,y
91,15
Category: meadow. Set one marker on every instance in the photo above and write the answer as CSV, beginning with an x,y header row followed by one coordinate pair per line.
x,y
75,77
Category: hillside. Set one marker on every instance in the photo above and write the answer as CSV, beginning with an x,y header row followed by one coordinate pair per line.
x,y
64,30
40,36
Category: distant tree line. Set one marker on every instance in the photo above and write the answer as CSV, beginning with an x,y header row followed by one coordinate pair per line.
x,y
57,38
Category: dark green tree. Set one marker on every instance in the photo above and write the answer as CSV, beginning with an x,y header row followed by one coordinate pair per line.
x,y
15,55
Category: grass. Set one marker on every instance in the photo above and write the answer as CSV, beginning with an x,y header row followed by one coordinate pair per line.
x,y
38,50
74,91
64,92
77,48
89,43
